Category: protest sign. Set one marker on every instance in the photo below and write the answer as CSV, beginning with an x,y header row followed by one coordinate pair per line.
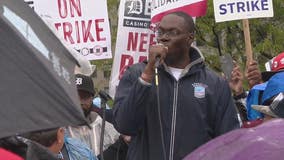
x,y
83,24
133,37
194,8
242,9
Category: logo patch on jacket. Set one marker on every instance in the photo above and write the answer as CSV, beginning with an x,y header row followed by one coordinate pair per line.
x,y
199,90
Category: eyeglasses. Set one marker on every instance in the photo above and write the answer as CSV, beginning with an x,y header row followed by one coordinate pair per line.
x,y
170,33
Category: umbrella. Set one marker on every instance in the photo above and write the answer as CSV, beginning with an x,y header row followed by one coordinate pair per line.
x,y
260,143
37,89
26,148
4,154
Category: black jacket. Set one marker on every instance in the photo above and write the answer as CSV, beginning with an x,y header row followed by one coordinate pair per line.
x,y
194,109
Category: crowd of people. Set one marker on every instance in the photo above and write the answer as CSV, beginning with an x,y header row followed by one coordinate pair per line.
x,y
165,107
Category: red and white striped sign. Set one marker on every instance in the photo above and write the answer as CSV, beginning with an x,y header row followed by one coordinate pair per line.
x,y
195,8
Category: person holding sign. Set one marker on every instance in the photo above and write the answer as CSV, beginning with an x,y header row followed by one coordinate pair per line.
x,y
253,76
184,107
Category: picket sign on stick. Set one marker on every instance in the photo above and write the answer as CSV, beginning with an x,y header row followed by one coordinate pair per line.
x,y
225,10
246,29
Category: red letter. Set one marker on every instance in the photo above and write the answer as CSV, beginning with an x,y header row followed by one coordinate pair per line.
x,y
86,33
152,37
126,60
67,31
143,40
75,6
98,30
132,41
77,32
57,25
142,58
62,11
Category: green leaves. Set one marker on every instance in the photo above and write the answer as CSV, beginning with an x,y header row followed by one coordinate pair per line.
x,y
267,37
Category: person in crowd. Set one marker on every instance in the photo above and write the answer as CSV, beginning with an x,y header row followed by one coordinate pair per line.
x,y
253,76
254,96
53,139
26,148
91,136
188,106
273,98
65,148
118,150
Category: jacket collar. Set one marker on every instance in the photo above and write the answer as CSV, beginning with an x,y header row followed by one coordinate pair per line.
x,y
196,57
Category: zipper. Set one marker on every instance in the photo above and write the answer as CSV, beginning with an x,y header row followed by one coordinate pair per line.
x,y
173,126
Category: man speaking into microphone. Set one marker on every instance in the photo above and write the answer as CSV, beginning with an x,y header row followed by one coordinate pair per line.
x,y
188,106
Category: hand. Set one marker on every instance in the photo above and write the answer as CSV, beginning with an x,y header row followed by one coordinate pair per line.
x,y
236,82
126,138
253,74
155,51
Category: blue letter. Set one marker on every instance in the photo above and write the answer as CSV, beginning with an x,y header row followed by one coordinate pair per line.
x,y
264,3
222,9
254,5
231,7
240,6
248,9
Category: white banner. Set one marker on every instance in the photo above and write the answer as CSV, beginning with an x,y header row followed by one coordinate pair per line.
x,y
228,10
133,37
84,24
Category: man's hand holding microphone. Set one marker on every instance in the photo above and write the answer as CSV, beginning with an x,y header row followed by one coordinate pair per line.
x,y
157,54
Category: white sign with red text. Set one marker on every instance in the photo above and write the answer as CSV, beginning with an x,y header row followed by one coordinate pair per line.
x,y
133,37
84,24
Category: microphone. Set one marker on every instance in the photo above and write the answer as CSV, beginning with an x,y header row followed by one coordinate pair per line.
x,y
104,95
158,58
157,62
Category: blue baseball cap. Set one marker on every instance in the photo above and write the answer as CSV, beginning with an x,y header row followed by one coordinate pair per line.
x,y
275,85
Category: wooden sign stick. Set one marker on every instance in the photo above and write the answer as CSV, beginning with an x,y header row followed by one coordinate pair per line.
x,y
247,40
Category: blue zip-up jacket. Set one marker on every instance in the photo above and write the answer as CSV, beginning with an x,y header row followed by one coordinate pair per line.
x,y
194,109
